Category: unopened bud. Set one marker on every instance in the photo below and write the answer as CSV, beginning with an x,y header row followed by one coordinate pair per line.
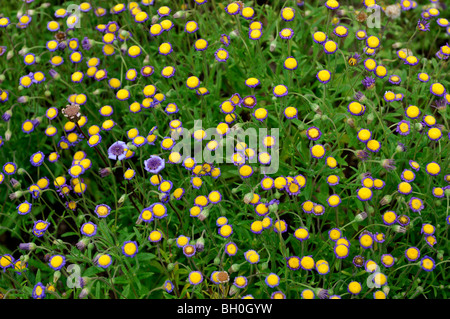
x,y
170,266
234,268
360,217
385,200
122,199
396,45
23,51
317,116
180,14
351,122
233,290
203,214
234,34
273,46
315,107
370,118
264,266
9,55
8,134
418,126
216,261
399,229
47,93
248,198
386,289
84,292
56,276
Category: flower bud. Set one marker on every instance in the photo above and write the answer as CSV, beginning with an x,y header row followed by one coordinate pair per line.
x,y
122,199
399,229
370,118
203,214
24,51
317,116
233,290
2,77
155,19
447,192
360,217
351,122
248,198
84,292
180,14
90,246
234,268
385,200
200,244
27,246
264,266
170,266
56,276
234,34
15,195
396,45
8,135
47,93
315,107
273,208
273,46
418,126
324,117
216,261
386,289
277,194
9,55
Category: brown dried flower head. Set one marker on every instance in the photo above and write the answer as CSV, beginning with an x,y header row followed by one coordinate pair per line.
x,y
361,16
72,112
60,36
223,277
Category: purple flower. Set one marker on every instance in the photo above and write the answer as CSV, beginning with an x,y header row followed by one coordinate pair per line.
x,y
86,44
423,25
368,82
117,151
154,164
